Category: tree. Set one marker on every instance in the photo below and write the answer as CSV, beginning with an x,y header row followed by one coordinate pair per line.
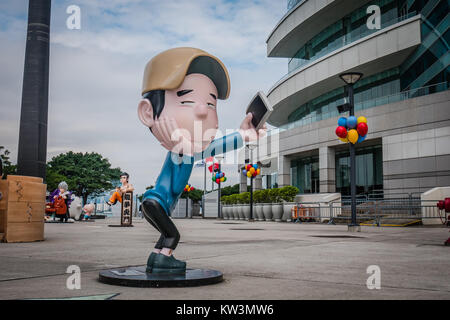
x,y
6,166
226,191
85,173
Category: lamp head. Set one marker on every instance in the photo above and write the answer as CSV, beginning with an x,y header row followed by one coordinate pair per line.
x,y
351,77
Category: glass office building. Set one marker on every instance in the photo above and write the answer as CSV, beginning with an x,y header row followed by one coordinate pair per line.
x,y
403,93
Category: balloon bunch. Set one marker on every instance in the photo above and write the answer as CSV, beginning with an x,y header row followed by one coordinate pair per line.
x,y
218,177
251,170
352,129
188,188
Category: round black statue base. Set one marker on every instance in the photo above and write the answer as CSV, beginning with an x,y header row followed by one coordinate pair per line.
x,y
137,277
119,225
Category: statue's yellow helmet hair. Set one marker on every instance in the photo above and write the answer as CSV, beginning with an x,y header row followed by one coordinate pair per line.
x,y
167,70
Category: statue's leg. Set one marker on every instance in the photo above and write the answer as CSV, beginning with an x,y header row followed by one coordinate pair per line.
x,y
157,216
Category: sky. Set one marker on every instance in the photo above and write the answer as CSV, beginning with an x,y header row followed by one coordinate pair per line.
x,y
96,72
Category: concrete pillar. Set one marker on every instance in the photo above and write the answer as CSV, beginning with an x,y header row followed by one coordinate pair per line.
x,y
242,181
257,183
327,170
284,174
32,153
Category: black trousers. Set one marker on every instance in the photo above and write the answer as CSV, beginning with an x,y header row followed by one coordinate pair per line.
x,y
159,219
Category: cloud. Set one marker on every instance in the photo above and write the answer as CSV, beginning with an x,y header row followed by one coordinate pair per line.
x,y
96,72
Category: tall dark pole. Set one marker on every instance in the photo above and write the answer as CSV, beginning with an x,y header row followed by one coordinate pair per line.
x,y
32,154
352,161
251,199
219,207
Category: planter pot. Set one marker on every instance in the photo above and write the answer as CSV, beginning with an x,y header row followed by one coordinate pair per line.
x,y
236,212
258,212
241,212
287,213
277,211
229,212
225,210
246,211
267,211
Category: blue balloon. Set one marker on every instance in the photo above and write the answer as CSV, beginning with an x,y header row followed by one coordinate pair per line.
x,y
342,122
244,172
351,122
255,166
361,139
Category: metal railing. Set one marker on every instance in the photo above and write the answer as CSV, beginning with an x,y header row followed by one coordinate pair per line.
x,y
399,212
359,33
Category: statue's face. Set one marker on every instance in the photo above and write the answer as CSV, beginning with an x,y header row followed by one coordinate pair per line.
x,y
123,179
193,106
61,190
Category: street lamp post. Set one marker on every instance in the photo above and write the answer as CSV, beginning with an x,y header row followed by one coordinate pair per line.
x,y
219,208
350,79
250,147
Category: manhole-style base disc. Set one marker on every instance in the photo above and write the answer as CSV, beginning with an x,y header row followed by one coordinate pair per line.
x,y
118,225
137,277
337,236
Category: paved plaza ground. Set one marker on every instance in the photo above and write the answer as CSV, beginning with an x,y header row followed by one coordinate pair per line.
x,y
259,260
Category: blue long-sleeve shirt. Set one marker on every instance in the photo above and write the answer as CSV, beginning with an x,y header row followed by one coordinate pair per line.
x,y
177,170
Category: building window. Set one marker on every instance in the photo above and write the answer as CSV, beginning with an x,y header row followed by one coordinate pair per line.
x,y
369,170
270,181
305,174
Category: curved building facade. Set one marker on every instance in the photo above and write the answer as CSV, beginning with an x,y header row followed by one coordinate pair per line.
x,y
404,57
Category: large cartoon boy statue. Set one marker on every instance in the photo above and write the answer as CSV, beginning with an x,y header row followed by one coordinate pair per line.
x,y
181,87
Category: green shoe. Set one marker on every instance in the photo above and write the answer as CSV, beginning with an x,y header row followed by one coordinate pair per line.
x,y
150,260
165,264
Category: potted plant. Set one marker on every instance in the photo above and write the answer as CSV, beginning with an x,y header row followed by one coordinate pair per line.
x,y
287,194
245,200
225,206
277,205
257,205
236,206
267,204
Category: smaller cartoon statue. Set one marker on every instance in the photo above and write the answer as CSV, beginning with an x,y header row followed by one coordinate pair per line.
x,y
126,187
88,209
60,200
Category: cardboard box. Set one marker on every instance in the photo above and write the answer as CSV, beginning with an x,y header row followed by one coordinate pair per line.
x,y
22,209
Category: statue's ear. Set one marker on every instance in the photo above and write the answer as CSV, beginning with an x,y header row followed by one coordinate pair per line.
x,y
145,112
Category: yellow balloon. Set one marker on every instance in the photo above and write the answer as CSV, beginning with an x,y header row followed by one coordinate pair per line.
x,y
361,119
344,139
353,136
249,174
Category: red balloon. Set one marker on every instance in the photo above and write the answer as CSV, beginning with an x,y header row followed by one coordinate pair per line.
x,y
362,128
217,180
341,132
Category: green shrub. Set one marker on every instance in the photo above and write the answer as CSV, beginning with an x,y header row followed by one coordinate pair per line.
x,y
288,193
225,199
233,198
245,197
265,196
257,196
275,195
